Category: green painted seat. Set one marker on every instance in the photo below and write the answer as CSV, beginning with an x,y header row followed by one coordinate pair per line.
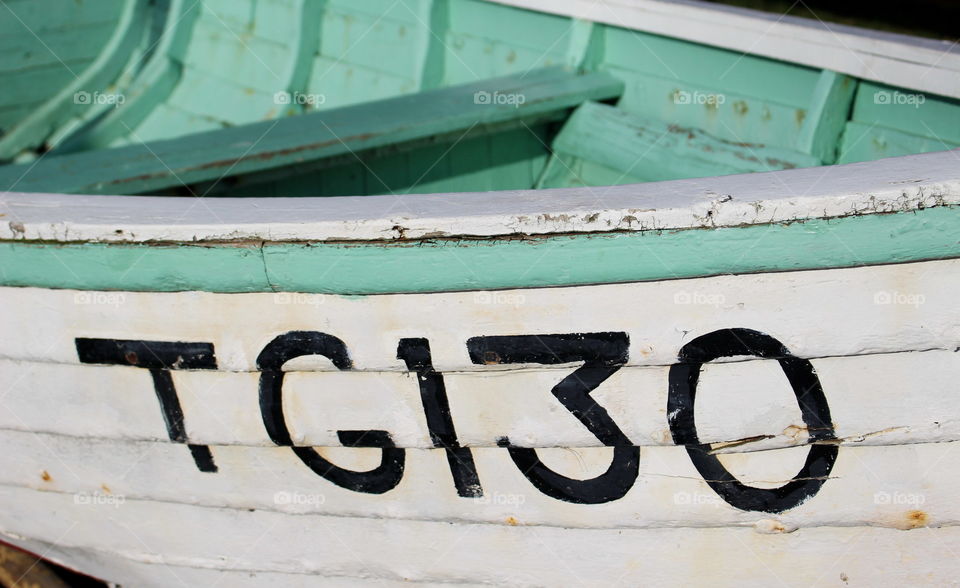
x,y
313,141
605,145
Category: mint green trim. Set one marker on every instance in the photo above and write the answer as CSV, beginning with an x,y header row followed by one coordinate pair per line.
x,y
366,268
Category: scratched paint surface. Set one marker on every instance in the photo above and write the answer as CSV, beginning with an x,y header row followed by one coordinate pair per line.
x,y
744,363
731,407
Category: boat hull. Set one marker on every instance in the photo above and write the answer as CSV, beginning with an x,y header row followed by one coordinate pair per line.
x,y
736,380
554,431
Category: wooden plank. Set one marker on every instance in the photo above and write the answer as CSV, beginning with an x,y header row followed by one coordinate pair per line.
x,y
395,264
654,150
735,115
145,96
144,572
217,51
24,51
827,116
441,551
505,157
668,491
436,13
701,66
908,184
877,309
927,65
744,406
248,103
53,16
868,142
252,148
63,105
488,40
908,111
387,43
354,84
38,84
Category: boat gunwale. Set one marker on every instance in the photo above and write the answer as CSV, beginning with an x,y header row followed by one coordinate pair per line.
x,y
901,184
894,59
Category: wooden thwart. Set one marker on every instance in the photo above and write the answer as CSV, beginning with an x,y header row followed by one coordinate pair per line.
x,y
538,95
603,145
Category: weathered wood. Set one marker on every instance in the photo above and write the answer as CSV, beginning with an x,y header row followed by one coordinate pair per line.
x,y
668,493
907,110
747,405
95,76
244,52
25,569
821,313
873,55
661,397
906,184
870,141
402,266
454,552
647,149
270,145
829,111
155,79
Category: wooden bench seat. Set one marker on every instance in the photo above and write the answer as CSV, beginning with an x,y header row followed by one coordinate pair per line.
x,y
486,106
604,145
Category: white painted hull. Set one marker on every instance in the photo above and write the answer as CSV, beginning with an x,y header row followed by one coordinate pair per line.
x,y
687,423
254,485
99,485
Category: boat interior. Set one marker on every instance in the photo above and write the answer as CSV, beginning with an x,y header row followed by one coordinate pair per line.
x,y
340,97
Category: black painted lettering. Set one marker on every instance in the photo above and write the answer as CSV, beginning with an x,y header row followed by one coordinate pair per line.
x,y
436,408
603,354
159,357
813,406
270,361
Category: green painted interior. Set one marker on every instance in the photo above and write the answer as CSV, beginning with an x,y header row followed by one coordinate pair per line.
x,y
599,143
442,265
187,67
74,33
381,131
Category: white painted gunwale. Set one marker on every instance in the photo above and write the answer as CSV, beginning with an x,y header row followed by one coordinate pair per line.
x,y
925,65
888,185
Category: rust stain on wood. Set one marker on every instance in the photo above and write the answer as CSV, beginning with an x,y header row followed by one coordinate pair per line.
x,y
916,519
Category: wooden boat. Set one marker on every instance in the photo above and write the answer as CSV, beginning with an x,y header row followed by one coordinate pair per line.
x,y
477,292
